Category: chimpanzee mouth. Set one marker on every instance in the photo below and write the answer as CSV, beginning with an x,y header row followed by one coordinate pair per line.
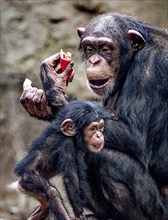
x,y
98,84
96,148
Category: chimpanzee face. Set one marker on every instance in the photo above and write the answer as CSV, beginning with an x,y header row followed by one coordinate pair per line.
x,y
104,41
93,135
101,63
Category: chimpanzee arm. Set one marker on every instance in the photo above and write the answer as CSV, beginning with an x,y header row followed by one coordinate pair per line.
x,y
66,165
54,81
77,186
45,104
119,136
71,182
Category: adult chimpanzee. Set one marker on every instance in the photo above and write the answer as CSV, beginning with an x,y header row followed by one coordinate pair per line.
x,y
126,63
60,149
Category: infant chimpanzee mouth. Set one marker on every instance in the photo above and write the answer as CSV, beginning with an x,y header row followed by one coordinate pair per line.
x,y
97,84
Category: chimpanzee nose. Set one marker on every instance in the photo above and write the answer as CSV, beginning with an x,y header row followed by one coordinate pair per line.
x,y
99,134
95,59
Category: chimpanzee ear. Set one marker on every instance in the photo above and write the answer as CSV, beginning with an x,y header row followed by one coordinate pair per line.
x,y
137,40
81,31
68,127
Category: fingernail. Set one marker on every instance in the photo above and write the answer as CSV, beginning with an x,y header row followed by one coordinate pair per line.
x,y
59,71
71,64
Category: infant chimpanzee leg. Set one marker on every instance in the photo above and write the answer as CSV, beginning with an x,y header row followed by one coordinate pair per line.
x,y
35,185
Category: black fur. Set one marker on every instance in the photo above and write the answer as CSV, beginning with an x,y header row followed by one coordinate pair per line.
x,y
129,179
139,138
54,153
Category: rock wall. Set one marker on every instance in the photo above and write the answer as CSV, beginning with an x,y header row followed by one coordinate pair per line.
x,y
30,32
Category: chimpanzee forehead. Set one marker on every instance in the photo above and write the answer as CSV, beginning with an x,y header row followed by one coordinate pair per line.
x,y
102,26
96,40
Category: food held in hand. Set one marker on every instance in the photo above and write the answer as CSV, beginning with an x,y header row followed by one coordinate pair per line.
x,y
27,84
65,59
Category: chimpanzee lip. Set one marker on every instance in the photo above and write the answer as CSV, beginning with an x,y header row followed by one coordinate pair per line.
x,y
96,148
98,84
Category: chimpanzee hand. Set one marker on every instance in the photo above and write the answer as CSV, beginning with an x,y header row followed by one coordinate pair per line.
x,y
52,76
34,102
54,81
43,104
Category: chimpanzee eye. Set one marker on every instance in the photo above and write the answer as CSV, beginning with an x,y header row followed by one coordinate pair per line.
x,y
89,49
93,129
101,128
105,49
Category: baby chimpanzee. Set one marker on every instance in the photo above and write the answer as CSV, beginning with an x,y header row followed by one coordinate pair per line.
x,y
60,149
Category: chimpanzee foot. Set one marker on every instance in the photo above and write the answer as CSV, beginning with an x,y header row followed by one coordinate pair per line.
x,y
40,213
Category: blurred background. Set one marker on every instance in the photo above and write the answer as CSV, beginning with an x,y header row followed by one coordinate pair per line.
x,y
30,32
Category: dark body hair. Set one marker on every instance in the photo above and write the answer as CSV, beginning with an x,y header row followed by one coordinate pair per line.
x,y
139,99
141,87
126,63
53,153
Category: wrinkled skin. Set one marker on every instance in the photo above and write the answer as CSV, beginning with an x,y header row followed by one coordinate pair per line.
x,y
34,100
101,63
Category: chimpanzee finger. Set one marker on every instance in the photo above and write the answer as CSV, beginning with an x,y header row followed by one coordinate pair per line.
x,y
22,97
29,100
24,103
48,66
26,95
68,69
62,77
41,109
49,74
69,72
45,110
37,102
72,76
52,61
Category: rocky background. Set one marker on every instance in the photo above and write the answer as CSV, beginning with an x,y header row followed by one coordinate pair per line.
x,y
32,30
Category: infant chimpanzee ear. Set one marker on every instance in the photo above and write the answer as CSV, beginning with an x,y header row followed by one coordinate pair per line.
x,y
137,40
68,127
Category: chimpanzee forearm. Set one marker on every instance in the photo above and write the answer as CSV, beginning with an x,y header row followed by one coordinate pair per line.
x,y
118,136
72,187
55,96
71,173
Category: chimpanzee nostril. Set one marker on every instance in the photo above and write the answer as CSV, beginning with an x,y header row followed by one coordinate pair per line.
x,y
95,59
